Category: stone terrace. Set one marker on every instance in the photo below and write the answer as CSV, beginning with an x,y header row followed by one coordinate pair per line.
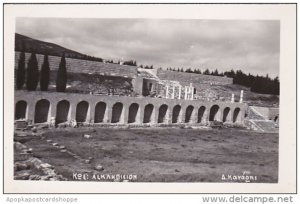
x,y
187,78
84,66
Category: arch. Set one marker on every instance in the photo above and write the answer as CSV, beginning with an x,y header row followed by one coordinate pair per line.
x,y
201,112
226,114
41,111
133,112
176,113
82,111
62,111
148,113
188,114
20,110
214,112
162,113
117,113
100,111
236,115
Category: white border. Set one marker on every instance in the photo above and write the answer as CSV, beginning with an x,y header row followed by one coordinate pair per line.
x,y
286,13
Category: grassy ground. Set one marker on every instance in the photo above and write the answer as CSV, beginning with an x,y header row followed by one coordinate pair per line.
x,y
163,155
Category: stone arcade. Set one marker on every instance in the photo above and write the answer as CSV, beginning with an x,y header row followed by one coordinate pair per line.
x,y
45,107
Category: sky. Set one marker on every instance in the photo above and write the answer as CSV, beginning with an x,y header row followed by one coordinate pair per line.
x,y
252,46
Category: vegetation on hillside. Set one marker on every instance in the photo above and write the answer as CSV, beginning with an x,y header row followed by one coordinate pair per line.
x,y
258,84
32,73
61,78
45,72
27,44
21,71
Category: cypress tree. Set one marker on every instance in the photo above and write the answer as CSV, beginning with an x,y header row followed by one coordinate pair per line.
x,y
21,71
61,78
45,72
32,79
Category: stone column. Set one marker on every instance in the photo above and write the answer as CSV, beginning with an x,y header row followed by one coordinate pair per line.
x,y
179,93
185,93
192,94
167,91
173,94
241,96
232,98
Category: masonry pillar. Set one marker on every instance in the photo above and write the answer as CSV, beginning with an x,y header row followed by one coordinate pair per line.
x,y
179,93
140,116
185,93
156,113
229,117
205,116
221,112
124,114
168,119
154,116
181,116
91,113
53,110
72,111
31,111
194,116
108,113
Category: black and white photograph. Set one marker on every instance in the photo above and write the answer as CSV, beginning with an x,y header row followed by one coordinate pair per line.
x,y
146,100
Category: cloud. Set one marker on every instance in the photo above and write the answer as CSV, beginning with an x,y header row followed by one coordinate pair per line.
x,y
250,45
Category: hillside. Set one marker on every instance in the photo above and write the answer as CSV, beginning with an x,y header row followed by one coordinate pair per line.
x,y
42,47
208,87
219,88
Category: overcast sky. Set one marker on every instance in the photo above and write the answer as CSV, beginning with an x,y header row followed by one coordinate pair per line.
x,y
252,46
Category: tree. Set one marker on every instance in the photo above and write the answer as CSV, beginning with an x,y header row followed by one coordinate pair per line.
x,y
32,79
215,73
206,72
61,78
45,72
21,71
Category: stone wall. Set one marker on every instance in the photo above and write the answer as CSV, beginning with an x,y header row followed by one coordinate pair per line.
x,y
115,109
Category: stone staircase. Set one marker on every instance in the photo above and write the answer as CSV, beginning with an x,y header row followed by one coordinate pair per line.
x,y
257,121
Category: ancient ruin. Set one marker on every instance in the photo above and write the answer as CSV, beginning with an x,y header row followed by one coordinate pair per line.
x,y
148,97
